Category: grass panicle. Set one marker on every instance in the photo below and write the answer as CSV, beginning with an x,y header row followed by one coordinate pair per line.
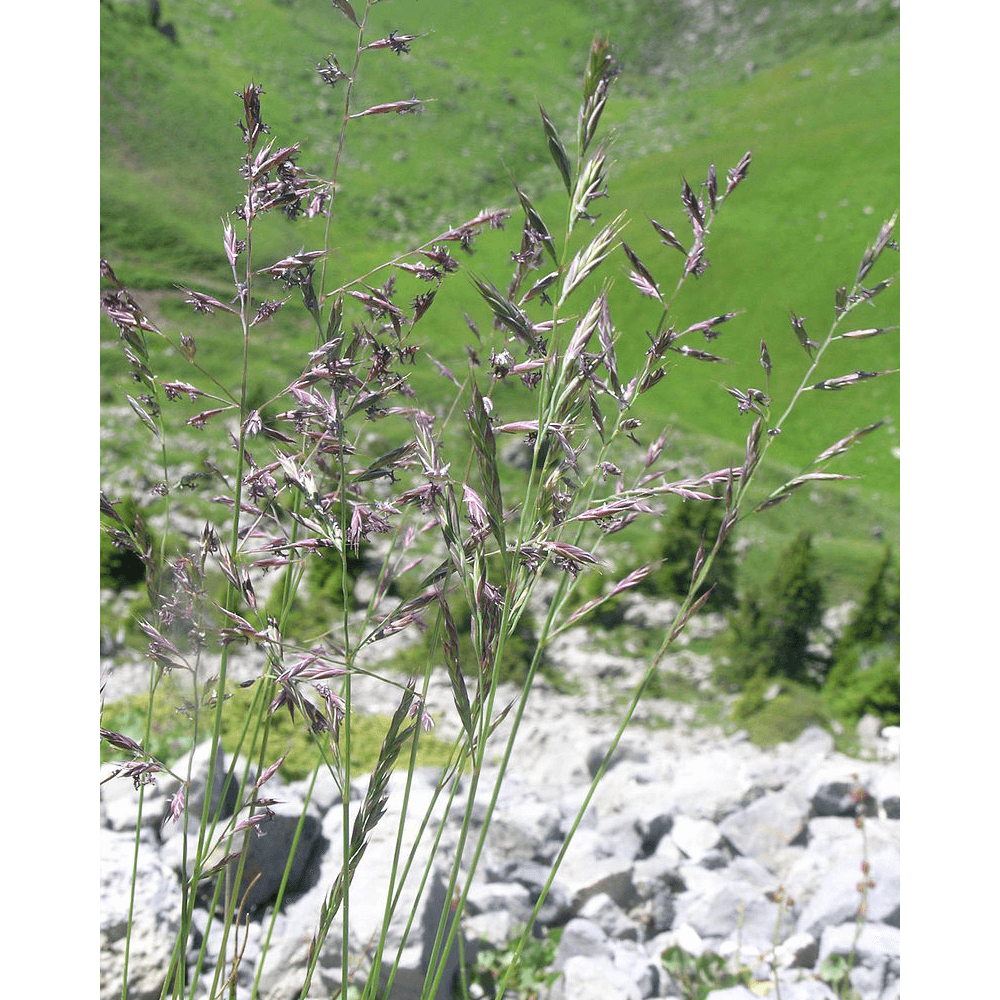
x,y
352,459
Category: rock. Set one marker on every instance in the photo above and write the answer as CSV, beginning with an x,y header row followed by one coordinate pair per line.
x,y
587,978
687,842
695,837
603,911
837,897
869,731
155,921
767,825
875,951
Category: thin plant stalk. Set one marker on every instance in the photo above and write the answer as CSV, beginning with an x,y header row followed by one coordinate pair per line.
x,y
494,556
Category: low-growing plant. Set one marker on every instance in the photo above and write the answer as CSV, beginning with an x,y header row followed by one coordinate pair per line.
x,y
699,975
171,733
866,683
782,718
835,972
166,736
355,451
527,970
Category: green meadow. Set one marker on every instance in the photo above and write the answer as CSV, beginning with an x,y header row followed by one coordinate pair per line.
x,y
812,92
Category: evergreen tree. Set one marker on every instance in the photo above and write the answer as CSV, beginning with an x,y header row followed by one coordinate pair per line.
x,y
877,618
794,607
865,672
748,644
692,522
769,635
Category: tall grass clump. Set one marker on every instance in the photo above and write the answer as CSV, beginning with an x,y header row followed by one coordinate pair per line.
x,y
374,446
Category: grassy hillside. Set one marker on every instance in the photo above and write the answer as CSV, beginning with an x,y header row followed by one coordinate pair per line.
x,y
168,109
812,91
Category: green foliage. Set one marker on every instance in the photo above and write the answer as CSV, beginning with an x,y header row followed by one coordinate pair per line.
x,y
770,633
172,733
784,717
169,736
835,971
877,618
794,605
697,976
694,523
318,605
529,973
133,12
864,677
327,571
752,697
121,567
861,688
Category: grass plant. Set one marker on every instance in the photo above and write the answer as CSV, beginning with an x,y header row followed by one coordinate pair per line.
x,y
370,441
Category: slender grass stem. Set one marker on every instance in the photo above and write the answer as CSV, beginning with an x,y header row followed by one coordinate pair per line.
x,y
326,490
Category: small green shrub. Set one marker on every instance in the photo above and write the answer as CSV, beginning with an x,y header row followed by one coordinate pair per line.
x,y
752,698
835,972
327,574
170,734
697,976
785,717
877,619
529,970
865,683
120,568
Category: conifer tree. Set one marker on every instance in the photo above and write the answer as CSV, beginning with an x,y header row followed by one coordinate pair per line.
x,y
877,617
692,523
864,676
794,607
769,635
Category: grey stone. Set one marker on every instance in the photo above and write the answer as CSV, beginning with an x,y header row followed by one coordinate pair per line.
x,y
766,825
155,916
695,837
710,786
594,978
837,898
581,937
603,911
732,993
740,811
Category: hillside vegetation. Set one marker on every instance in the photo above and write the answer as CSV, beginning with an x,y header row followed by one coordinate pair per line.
x,y
810,88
